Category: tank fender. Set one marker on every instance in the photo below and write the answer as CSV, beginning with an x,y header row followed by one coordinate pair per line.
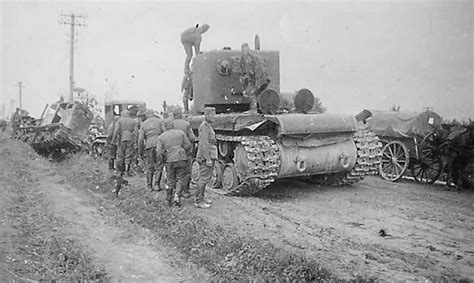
x,y
297,124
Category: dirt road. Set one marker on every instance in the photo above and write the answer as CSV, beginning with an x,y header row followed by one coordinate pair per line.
x,y
124,250
429,231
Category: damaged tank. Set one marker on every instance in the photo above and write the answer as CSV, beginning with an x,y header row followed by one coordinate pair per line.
x,y
63,128
257,142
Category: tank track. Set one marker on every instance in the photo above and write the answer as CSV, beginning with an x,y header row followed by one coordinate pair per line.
x,y
263,163
49,140
369,154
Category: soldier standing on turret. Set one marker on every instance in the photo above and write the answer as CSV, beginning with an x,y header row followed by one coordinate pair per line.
x,y
206,156
125,134
173,148
180,124
192,38
148,135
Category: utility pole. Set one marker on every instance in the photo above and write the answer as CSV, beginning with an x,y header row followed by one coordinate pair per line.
x,y
73,20
20,85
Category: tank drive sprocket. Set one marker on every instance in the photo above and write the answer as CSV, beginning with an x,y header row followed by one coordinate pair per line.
x,y
257,162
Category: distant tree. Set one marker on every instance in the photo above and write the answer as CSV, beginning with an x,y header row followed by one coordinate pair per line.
x,y
83,96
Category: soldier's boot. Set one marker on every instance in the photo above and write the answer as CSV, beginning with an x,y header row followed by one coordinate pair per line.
x,y
169,197
149,180
177,194
199,201
111,164
176,199
158,173
120,180
127,169
185,105
185,192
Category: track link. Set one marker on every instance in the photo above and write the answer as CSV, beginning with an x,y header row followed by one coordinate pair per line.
x,y
47,140
369,154
263,164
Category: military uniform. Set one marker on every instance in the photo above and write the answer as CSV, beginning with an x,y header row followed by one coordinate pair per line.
x,y
148,135
253,75
180,124
125,134
111,145
15,121
173,148
189,38
187,90
206,154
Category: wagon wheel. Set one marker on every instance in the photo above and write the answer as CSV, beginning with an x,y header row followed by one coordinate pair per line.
x,y
427,170
394,161
216,179
430,147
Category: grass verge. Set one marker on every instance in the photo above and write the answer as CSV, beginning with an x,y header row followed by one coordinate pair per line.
x,y
39,250
225,254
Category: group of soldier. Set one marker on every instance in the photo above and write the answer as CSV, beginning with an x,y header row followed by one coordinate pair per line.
x,y
164,143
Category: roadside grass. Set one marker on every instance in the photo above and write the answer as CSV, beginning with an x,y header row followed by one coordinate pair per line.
x,y
225,254
40,251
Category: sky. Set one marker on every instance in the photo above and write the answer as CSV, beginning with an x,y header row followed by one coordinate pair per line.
x,y
352,55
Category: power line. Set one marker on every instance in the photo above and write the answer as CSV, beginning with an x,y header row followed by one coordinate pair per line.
x,y
72,20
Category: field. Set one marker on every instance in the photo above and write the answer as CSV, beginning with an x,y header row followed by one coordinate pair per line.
x,y
61,221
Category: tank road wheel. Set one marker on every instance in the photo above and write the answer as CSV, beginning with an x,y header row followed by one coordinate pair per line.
x,y
394,162
230,180
225,149
427,170
216,179
195,172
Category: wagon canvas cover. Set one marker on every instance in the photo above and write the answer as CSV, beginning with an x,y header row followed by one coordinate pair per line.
x,y
402,124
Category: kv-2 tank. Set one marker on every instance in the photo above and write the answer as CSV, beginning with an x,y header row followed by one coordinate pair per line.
x,y
258,143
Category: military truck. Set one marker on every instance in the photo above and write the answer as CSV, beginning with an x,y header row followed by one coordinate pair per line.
x,y
113,108
258,144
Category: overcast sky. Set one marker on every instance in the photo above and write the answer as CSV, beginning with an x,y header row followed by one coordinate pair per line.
x,y
353,55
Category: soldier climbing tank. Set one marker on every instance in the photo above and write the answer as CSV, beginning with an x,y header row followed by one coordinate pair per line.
x,y
257,143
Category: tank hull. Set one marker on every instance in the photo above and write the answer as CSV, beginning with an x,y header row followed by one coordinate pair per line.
x,y
323,159
255,150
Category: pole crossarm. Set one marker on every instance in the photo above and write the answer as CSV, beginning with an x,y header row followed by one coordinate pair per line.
x,y
72,20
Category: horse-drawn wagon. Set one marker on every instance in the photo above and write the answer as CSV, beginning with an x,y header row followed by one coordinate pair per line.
x,y
405,144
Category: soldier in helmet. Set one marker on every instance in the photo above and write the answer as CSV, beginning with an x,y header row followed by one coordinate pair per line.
x,y
173,148
206,156
192,38
125,134
148,135
180,124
